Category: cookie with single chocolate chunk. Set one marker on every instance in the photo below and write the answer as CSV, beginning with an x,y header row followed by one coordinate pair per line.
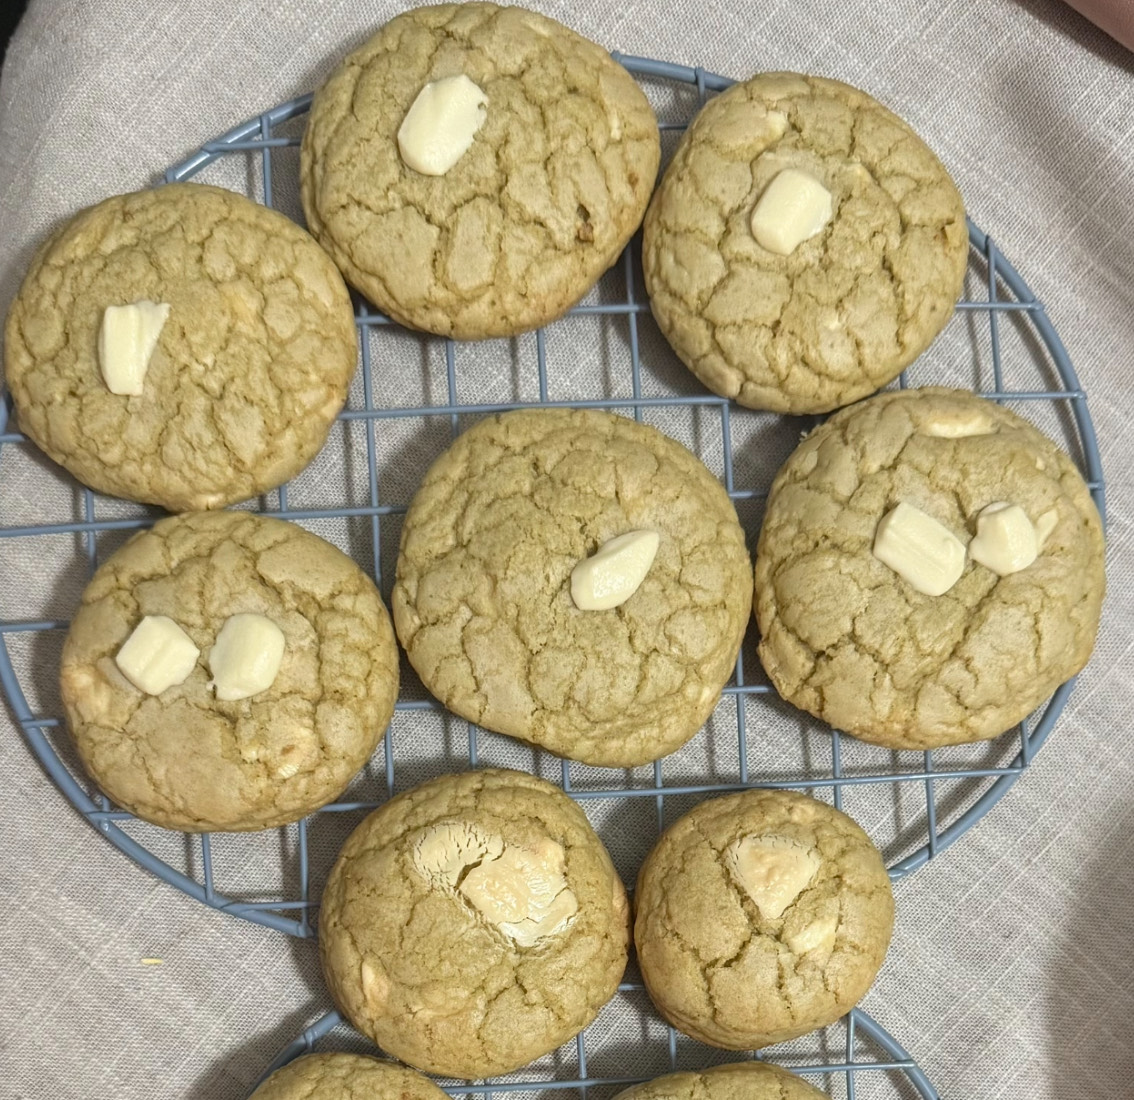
x,y
559,166
486,608
249,369
473,924
734,1081
187,757
794,301
849,638
760,916
340,1076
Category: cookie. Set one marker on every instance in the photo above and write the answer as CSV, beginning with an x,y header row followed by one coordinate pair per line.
x,y
249,370
802,326
187,757
735,1081
555,179
848,638
760,916
473,924
345,1077
484,605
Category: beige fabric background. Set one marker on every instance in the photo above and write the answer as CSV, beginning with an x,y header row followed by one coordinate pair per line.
x,y
1011,972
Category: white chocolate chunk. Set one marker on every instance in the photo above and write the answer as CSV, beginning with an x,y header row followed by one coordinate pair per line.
x,y
446,849
1005,540
157,655
773,870
245,658
611,575
793,208
523,892
958,423
923,552
817,935
440,125
1044,526
126,342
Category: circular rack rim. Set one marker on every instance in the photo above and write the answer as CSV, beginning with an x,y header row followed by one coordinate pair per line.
x,y
858,1024
255,135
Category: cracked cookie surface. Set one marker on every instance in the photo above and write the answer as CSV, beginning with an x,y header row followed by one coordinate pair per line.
x,y
417,965
250,369
482,600
556,181
846,638
738,974
845,311
345,1077
735,1081
186,760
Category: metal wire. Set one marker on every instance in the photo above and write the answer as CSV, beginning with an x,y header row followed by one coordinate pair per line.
x,y
290,914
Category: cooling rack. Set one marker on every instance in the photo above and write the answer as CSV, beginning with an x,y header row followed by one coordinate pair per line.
x,y
1001,343
854,1059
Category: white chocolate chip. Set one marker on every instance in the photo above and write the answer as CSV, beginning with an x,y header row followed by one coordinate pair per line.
x,y
773,870
1005,540
524,892
816,935
794,207
445,850
610,576
126,342
440,125
157,655
521,891
923,552
245,658
1044,526
957,423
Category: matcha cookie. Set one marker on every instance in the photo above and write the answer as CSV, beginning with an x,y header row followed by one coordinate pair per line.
x,y
543,153
804,245
225,330
736,1081
226,671
867,640
488,601
345,1077
473,924
761,916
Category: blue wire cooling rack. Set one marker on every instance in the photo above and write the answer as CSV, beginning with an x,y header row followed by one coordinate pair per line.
x,y
880,1061
944,818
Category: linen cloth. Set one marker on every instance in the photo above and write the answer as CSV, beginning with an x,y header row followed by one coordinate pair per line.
x,y
1010,972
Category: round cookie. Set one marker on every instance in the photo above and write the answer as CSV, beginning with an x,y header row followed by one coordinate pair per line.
x,y
735,1081
473,924
250,369
843,312
850,640
483,605
188,760
553,186
345,1077
761,916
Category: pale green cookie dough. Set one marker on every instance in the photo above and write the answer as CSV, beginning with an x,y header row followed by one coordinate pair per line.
x,y
735,1081
554,184
473,924
760,916
482,602
345,1077
250,369
844,312
848,639
185,759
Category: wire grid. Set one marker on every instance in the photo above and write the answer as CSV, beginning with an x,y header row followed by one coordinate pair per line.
x,y
864,1050
291,914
